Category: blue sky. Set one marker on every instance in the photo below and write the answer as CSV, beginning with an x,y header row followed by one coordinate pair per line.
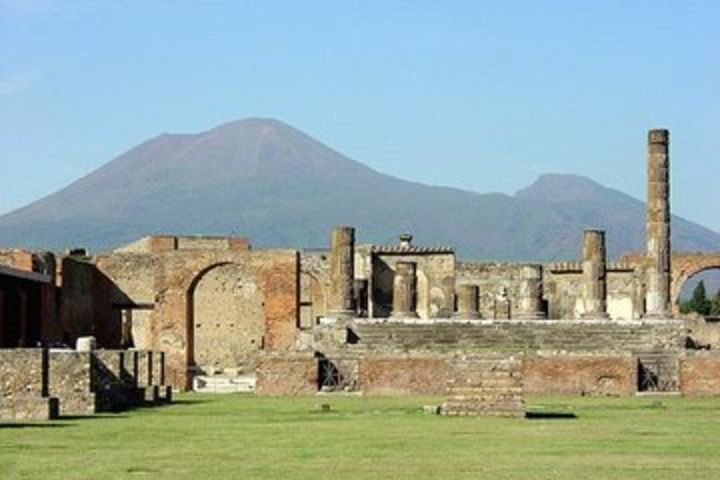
x,y
481,95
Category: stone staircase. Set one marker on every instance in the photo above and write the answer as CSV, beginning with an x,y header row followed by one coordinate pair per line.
x,y
518,336
224,383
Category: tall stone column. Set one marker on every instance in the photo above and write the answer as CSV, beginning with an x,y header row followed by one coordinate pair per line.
x,y
342,273
404,290
594,274
657,300
530,302
467,302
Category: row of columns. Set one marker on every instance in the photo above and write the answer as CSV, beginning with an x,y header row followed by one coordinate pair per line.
x,y
344,288
530,306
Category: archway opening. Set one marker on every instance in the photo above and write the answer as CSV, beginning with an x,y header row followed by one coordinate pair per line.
x,y
700,295
227,321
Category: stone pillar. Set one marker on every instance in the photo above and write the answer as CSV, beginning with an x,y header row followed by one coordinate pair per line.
x,y
502,305
404,286
467,302
594,274
530,302
657,300
342,273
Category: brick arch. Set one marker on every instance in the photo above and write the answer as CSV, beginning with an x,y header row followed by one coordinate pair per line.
x,y
192,280
685,266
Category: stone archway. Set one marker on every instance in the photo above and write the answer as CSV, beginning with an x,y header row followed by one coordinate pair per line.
x,y
687,265
226,320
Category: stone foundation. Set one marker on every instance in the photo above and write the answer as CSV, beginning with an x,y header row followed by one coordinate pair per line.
x,y
700,374
488,385
287,374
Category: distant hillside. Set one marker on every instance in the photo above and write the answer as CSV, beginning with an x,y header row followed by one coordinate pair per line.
x,y
266,180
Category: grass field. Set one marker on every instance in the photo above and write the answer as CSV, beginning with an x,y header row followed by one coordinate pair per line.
x,y
246,437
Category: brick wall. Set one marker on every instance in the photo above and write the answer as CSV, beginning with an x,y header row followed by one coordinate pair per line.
x,y
287,374
385,375
578,375
700,374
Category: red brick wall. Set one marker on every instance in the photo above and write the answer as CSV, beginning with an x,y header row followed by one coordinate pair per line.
x,y
575,375
424,375
700,375
287,374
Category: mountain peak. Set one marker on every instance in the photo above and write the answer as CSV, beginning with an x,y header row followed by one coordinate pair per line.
x,y
557,187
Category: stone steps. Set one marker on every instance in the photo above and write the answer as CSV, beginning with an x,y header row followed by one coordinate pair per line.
x,y
512,336
224,384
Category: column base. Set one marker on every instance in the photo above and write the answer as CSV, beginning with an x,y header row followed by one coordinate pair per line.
x,y
657,316
404,315
530,316
466,316
342,314
595,316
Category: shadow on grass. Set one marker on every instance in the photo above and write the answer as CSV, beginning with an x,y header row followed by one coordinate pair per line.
x,y
550,415
186,401
100,416
9,426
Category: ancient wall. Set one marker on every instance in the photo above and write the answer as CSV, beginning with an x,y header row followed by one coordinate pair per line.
x,y
499,284
178,289
289,373
228,319
70,381
314,286
700,373
580,374
435,273
562,288
404,374
86,296
23,371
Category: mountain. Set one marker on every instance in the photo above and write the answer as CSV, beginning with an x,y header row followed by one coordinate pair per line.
x,y
276,185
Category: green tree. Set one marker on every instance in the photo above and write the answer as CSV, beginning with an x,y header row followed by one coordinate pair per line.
x,y
715,307
699,302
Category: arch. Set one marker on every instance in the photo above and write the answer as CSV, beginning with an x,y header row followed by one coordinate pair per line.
x,y
685,266
225,319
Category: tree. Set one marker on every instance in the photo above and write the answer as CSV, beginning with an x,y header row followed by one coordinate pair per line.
x,y
715,306
699,302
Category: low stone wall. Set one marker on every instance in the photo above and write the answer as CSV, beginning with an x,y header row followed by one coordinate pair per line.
x,y
29,407
287,374
700,374
23,371
23,385
580,375
70,380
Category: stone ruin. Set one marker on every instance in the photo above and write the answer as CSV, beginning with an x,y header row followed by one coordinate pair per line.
x,y
43,383
365,318
489,385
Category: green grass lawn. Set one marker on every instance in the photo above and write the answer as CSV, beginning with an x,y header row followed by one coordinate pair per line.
x,y
245,437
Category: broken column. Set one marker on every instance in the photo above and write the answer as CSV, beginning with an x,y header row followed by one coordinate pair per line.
x,y
404,286
530,304
342,273
657,300
594,274
467,302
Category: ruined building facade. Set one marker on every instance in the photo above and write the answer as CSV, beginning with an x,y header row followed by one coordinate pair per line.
x,y
378,318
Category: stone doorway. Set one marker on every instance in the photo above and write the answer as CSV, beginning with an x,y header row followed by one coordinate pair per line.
x,y
227,320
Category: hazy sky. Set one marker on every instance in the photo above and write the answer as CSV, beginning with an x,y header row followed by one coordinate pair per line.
x,y
482,95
